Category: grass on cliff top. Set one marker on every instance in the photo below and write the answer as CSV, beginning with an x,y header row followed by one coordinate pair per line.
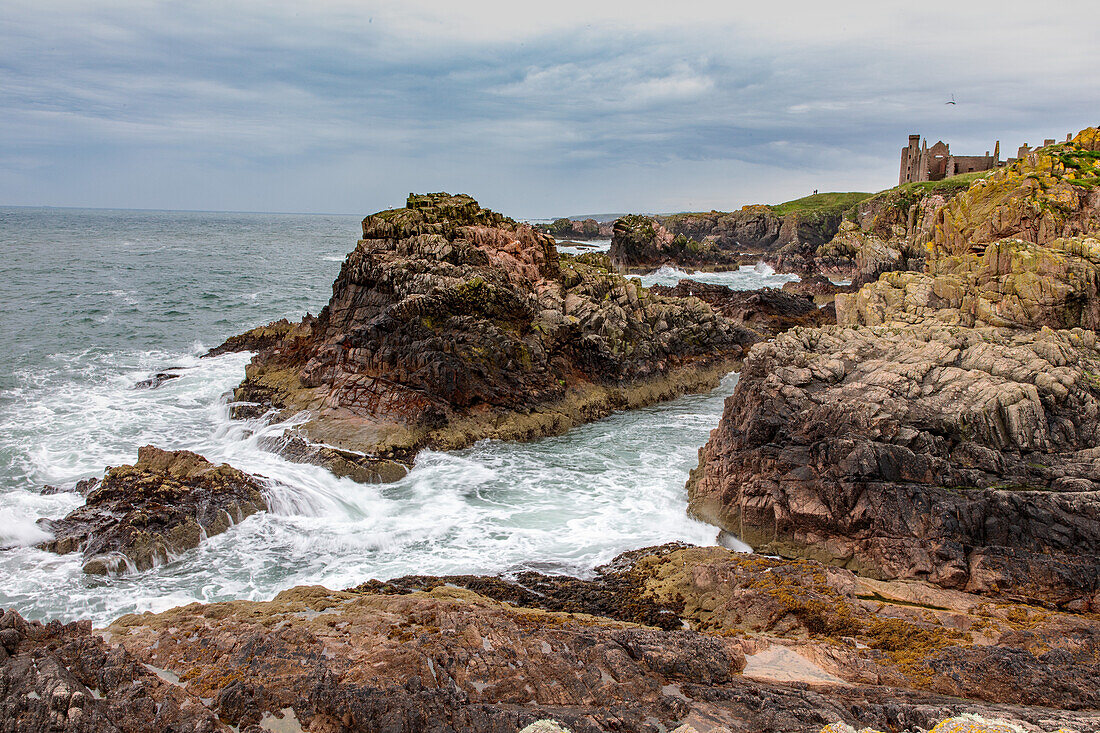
x,y
833,202
954,184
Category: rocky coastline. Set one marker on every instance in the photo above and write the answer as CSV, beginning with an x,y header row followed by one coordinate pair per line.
x,y
915,465
450,323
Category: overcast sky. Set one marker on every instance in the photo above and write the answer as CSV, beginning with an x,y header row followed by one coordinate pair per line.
x,y
537,109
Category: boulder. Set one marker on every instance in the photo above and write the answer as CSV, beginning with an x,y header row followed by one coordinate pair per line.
x,y
143,515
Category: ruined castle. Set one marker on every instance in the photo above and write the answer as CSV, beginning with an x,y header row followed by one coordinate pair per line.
x,y
922,163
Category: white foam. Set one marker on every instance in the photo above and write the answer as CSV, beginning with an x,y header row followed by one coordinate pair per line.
x,y
746,277
563,504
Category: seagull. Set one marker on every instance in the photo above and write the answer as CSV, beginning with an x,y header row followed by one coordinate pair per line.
x,y
952,100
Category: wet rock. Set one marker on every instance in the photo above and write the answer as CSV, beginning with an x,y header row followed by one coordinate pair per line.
x,y
142,515
157,380
356,466
450,323
767,311
256,339
62,677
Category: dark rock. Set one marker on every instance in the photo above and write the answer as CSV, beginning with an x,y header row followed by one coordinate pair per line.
x,y
257,339
767,311
156,380
356,466
142,515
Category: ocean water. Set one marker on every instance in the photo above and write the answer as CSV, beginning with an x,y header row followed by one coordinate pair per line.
x,y
746,277
94,301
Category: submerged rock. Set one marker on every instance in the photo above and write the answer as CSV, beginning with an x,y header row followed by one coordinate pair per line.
x,y
157,380
450,323
142,515
356,466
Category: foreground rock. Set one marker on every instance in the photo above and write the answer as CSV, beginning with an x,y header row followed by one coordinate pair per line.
x,y
64,678
450,323
743,642
142,515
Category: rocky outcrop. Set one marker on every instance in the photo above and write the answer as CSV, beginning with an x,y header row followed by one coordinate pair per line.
x,y
577,229
65,678
1051,193
864,255
450,323
1012,283
947,429
142,515
785,235
256,339
766,311
737,636
961,456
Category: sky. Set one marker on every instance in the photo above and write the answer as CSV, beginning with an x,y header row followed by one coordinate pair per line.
x,y
536,109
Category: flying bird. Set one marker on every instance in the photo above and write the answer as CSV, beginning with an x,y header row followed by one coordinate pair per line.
x,y
952,100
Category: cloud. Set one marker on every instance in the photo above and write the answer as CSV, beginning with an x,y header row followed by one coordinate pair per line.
x,y
333,105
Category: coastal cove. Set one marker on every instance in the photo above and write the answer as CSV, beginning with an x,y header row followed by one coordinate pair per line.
x,y
141,292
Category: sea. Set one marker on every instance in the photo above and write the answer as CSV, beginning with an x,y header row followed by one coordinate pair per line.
x,y
95,301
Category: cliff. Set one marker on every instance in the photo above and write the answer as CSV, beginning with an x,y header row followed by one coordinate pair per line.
x,y
946,429
1050,193
450,323
723,240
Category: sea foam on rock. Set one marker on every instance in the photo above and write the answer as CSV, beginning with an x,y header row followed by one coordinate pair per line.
x,y
142,515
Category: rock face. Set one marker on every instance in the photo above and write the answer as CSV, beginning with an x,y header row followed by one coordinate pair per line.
x,y
767,311
64,678
1049,194
450,323
142,515
946,430
736,638
1012,283
962,456
945,450
719,240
